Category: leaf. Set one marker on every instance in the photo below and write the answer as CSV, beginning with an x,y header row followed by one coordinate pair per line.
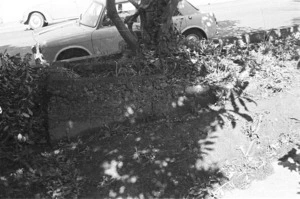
x,y
243,104
245,116
30,142
30,102
250,100
29,89
26,115
20,137
30,112
233,103
233,123
208,143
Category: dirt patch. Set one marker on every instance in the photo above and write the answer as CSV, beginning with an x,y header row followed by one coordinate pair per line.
x,y
156,160
183,158
274,132
168,158
282,184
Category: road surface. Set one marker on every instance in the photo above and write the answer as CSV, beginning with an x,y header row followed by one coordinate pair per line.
x,y
243,15
234,16
16,40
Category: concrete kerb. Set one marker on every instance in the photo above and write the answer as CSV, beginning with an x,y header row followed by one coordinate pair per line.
x,y
260,36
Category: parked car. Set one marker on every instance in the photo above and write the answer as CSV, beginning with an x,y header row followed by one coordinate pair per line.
x,y
53,11
92,36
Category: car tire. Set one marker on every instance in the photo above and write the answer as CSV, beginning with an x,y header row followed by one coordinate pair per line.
x,y
195,35
36,21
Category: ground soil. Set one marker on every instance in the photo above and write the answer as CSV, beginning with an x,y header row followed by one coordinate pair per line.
x,y
186,157
283,184
280,117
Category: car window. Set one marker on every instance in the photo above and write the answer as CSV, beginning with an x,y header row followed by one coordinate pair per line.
x,y
106,20
123,9
186,8
91,16
177,13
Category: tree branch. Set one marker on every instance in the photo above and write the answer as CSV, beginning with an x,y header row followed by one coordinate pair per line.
x,y
129,38
129,20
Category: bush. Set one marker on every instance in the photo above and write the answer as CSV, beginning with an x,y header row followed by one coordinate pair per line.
x,y
21,110
19,84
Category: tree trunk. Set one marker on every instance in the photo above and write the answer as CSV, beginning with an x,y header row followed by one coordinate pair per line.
x,y
156,23
166,33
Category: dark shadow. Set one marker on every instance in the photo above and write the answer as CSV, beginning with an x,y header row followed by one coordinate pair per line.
x,y
157,159
154,160
291,160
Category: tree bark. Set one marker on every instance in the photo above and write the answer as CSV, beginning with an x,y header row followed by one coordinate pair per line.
x,y
166,33
156,23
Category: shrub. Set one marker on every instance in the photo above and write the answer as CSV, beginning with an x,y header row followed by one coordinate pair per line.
x,y
20,109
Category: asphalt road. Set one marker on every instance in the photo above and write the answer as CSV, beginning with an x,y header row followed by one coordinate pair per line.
x,y
244,15
15,42
234,16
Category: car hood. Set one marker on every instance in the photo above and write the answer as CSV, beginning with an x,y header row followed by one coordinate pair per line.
x,y
60,33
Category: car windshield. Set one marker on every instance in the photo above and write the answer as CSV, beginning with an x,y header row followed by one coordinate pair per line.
x,y
91,16
187,8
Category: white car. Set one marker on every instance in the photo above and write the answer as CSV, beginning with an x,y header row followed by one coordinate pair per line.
x,y
53,11
92,36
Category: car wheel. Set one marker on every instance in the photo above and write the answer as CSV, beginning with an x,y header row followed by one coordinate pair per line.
x,y
194,35
36,20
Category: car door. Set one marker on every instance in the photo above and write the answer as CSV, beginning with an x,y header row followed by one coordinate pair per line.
x,y
64,9
107,39
179,21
